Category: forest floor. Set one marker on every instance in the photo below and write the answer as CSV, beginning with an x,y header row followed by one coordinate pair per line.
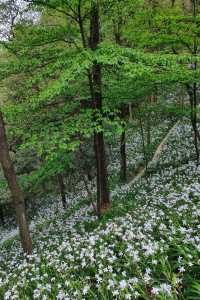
x,y
48,207
142,169
146,247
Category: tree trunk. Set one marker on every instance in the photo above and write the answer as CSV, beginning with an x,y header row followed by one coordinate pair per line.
x,y
62,190
148,125
148,132
89,192
123,175
16,192
130,112
1,215
123,163
143,142
194,112
103,198
94,78
192,90
193,117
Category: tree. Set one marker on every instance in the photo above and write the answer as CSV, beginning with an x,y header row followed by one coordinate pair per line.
x,y
17,195
38,38
103,200
172,27
72,77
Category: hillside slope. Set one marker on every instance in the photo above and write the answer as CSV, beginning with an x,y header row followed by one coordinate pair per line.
x,y
147,247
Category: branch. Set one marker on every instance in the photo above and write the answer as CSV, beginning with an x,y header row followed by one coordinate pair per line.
x,y
184,43
48,5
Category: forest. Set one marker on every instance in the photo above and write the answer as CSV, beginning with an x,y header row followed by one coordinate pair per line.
x,y
100,149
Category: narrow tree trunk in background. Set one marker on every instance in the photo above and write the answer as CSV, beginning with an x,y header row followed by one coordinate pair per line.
x,y
153,98
148,132
196,132
89,192
62,190
44,187
192,90
193,117
148,125
123,175
98,206
123,163
148,145
1,215
17,195
143,142
130,113
103,198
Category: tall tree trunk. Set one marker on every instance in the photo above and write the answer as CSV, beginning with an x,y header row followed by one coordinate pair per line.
x,y
148,132
143,141
1,215
192,90
193,117
16,192
94,78
62,190
130,112
123,163
148,136
123,169
194,112
103,198
148,125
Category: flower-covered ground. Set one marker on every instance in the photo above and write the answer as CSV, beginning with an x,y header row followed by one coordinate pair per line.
x,y
134,145
48,206
146,247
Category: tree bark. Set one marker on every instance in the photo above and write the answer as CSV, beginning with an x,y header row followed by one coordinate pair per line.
x,y
192,90
103,198
123,170
123,162
2,215
193,117
130,112
143,142
94,78
62,190
151,100
16,192
148,132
